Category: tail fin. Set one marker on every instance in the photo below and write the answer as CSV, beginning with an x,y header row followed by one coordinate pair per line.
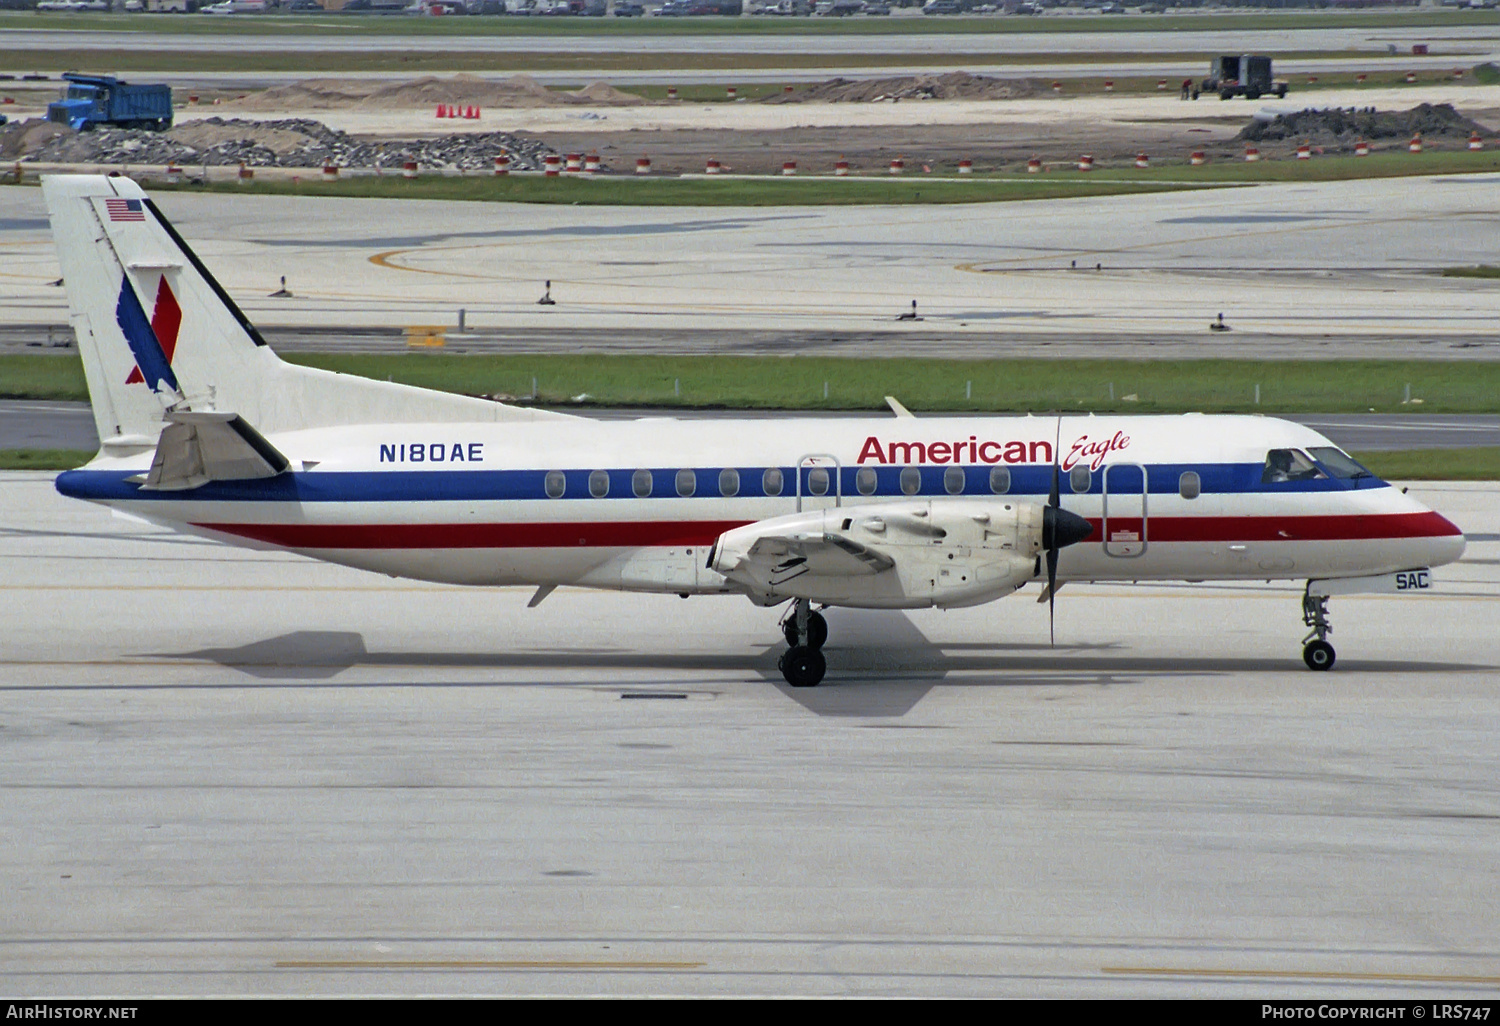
x,y
158,333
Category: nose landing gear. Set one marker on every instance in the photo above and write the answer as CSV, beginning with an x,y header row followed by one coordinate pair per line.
x,y
802,664
1317,654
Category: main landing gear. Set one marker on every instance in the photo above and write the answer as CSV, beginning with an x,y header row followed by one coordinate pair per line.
x,y
802,664
1317,654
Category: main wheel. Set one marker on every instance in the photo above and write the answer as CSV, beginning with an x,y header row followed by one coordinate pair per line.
x,y
803,667
817,631
1318,655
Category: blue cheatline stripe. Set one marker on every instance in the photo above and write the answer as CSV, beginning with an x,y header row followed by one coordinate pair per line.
x,y
500,485
142,339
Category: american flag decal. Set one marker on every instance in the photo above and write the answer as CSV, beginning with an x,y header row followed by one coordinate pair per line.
x,y
124,210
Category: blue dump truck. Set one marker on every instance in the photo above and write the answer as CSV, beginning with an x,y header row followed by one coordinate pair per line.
x,y
93,100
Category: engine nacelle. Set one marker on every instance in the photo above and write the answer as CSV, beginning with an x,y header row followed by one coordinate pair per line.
x,y
897,555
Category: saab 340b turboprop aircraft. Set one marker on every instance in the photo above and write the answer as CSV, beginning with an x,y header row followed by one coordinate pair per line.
x,y
204,429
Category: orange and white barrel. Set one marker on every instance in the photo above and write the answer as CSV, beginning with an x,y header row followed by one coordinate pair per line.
x,y
591,164
966,167
330,170
789,167
1057,87
841,167
897,166
1252,154
502,164
1086,162
246,175
174,174
730,92
1411,76
409,169
1304,152
1361,149
671,92
712,167
1475,141
643,165
1360,78
1161,83
1109,85
1034,165
1142,160
575,163
552,165
1415,146
1198,157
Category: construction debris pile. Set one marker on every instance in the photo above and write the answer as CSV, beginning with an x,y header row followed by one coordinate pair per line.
x,y
1339,127
297,142
957,85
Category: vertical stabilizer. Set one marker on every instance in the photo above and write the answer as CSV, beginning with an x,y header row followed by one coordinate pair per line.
x,y
156,331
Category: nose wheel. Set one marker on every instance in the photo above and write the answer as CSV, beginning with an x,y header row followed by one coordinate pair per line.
x,y
1317,653
805,631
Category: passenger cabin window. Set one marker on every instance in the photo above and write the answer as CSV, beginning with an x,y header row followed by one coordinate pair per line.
x,y
817,481
1338,463
953,480
687,483
1188,485
999,480
729,482
1289,465
599,484
640,483
1079,479
771,481
555,484
911,481
864,480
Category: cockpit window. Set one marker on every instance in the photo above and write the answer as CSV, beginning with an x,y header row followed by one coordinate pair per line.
x,y
1339,463
1289,465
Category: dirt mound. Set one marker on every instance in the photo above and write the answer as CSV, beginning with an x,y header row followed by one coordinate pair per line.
x,y
309,94
21,137
296,142
956,85
602,94
518,91
1346,125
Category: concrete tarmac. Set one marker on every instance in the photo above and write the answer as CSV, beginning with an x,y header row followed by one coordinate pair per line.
x,y
1322,265
39,424
236,772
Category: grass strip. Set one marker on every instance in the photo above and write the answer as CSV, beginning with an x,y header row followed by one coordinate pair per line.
x,y
660,191
1481,463
1482,271
796,383
44,459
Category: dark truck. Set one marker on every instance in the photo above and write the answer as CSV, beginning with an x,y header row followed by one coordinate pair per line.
x,y
93,100
1249,77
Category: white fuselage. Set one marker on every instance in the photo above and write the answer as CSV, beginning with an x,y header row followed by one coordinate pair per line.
x,y
637,505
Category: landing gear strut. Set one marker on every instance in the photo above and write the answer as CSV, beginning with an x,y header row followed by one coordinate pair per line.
x,y
1317,654
802,664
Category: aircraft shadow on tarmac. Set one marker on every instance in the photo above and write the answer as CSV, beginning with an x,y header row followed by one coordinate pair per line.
x,y
879,665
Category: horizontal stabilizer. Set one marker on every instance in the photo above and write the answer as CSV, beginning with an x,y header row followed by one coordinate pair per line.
x,y
196,448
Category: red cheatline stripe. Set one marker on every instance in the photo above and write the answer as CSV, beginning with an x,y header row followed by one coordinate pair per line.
x,y
704,532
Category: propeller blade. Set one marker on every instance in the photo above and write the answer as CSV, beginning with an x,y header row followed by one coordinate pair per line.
x,y
1052,596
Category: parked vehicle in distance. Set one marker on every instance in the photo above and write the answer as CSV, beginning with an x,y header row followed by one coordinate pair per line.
x,y
1246,76
93,100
